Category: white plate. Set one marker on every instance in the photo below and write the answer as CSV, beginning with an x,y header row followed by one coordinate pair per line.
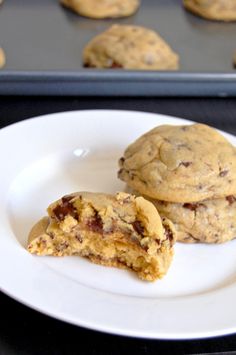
x,y
49,156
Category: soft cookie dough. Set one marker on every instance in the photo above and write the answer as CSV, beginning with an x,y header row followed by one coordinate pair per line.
x,y
221,10
102,8
209,221
122,231
2,58
130,47
180,164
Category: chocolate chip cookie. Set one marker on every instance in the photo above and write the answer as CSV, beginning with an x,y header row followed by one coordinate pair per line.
x,y
208,221
221,10
99,9
180,164
122,231
130,47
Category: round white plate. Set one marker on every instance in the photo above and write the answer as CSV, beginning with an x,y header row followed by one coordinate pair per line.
x,y
49,156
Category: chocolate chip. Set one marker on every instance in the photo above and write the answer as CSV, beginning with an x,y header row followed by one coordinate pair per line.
x,y
223,173
190,206
95,223
231,199
120,172
122,160
62,246
122,262
191,237
115,65
67,198
79,238
131,175
169,234
66,208
186,163
138,227
193,206
88,65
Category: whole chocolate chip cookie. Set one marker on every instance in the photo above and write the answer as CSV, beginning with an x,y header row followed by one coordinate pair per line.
x,y
130,47
221,10
208,221
180,164
122,231
102,8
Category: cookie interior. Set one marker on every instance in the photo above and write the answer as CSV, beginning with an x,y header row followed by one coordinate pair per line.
x,y
76,227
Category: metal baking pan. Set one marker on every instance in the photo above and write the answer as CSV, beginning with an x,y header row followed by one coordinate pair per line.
x,y
43,43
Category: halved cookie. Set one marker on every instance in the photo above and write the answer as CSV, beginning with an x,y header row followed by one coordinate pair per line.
x,y
122,231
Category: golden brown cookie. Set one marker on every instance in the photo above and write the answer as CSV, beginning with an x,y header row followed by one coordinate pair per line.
x,y
122,231
180,164
130,47
209,221
98,9
220,10
2,58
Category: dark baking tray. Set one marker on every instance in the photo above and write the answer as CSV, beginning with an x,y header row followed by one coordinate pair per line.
x,y
43,43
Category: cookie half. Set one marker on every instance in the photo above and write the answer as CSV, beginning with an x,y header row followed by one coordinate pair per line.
x,y
99,9
121,231
220,10
130,47
180,164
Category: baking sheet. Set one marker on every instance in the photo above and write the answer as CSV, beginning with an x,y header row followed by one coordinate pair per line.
x,y
43,43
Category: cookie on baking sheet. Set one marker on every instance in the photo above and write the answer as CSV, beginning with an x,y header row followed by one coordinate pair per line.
x,y
180,164
220,10
2,58
208,221
103,8
234,60
130,47
122,231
